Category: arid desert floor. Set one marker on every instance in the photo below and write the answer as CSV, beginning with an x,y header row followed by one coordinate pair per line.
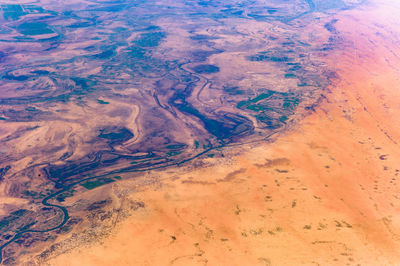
x,y
200,133
323,193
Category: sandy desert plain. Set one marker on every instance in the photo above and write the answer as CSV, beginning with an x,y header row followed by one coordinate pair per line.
x,y
200,132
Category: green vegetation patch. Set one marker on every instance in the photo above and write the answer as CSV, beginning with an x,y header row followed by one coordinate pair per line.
x,y
272,108
34,28
291,103
251,104
102,102
290,75
283,119
262,96
257,107
97,183
196,144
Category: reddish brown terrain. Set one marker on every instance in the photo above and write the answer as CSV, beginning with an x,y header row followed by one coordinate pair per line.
x,y
200,132
323,193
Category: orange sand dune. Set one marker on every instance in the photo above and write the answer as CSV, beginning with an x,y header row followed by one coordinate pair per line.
x,y
325,193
